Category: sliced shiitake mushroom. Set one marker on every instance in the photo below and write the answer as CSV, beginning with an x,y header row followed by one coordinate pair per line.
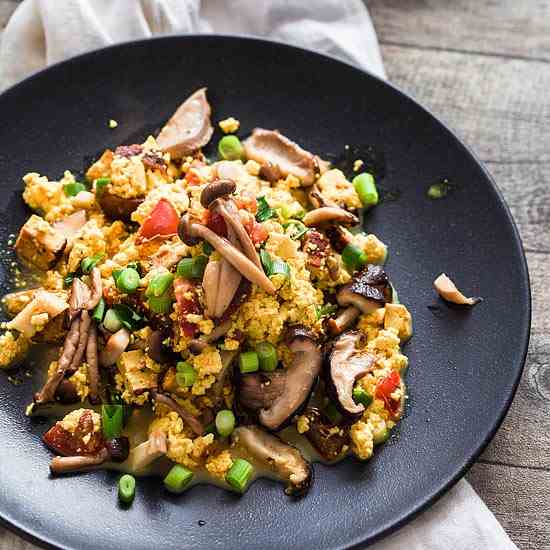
x,y
258,390
283,459
369,289
330,441
347,361
300,378
118,208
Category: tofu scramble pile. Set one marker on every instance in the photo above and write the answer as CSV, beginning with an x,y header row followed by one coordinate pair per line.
x,y
206,314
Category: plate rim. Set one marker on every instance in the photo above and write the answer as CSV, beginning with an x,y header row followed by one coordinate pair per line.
x,y
31,535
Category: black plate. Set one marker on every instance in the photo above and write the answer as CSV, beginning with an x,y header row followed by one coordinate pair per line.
x,y
465,364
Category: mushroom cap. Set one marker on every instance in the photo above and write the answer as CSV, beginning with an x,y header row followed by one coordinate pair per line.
x,y
118,208
300,379
369,289
271,148
285,460
185,231
329,443
189,128
346,362
326,214
216,190
258,390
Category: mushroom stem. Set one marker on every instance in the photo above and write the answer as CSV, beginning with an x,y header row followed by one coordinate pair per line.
x,y
449,292
329,214
83,330
97,289
232,219
198,344
115,346
69,464
187,417
343,320
47,393
211,286
246,267
93,368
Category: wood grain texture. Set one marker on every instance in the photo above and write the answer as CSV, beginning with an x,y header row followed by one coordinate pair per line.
x,y
482,66
514,28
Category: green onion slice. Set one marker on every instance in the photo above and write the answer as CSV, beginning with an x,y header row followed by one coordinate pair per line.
x,y
177,479
264,212
112,420
239,474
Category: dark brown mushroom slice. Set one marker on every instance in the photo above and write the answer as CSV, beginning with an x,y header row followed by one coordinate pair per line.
x,y
189,128
199,344
118,208
66,393
259,390
270,172
300,379
157,350
369,289
343,320
271,148
347,362
331,444
216,190
118,448
339,238
285,461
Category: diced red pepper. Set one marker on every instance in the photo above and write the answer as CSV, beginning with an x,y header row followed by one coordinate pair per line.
x,y
192,178
162,222
385,387
247,203
216,222
258,233
186,304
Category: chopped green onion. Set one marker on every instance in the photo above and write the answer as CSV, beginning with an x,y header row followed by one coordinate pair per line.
x,y
265,258
100,184
68,279
192,268
111,321
99,311
291,211
380,436
439,190
394,295
115,273
239,474
230,148
264,212
325,310
127,280
136,266
333,414
87,264
112,420
366,189
297,229
128,317
207,248
177,479
225,422
127,488
73,188
362,396
353,257
185,374
279,267
160,304
267,356
248,362
159,284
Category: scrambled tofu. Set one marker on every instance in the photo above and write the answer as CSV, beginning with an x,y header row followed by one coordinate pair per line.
x,y
39,243
229,125
398,318
135,376
12,349
336,189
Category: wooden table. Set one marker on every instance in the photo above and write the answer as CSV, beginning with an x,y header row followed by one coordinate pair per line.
x,y
483,66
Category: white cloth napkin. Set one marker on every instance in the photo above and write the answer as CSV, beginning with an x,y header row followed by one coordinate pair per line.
x,y
42,32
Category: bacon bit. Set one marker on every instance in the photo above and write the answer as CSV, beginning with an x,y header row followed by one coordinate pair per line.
x,y
186,302
317,247
154,161
215,221
128,150
162,222
71,444
384,389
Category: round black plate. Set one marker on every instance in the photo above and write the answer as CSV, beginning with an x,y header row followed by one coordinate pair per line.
x,y
464,364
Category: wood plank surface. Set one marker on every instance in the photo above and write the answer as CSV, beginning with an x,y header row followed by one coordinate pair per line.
x,y
483,67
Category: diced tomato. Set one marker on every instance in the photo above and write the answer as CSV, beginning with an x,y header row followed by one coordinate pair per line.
x,y
384,389
192,178
71,444
247,203
258,233
162,222
186,302
216,222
